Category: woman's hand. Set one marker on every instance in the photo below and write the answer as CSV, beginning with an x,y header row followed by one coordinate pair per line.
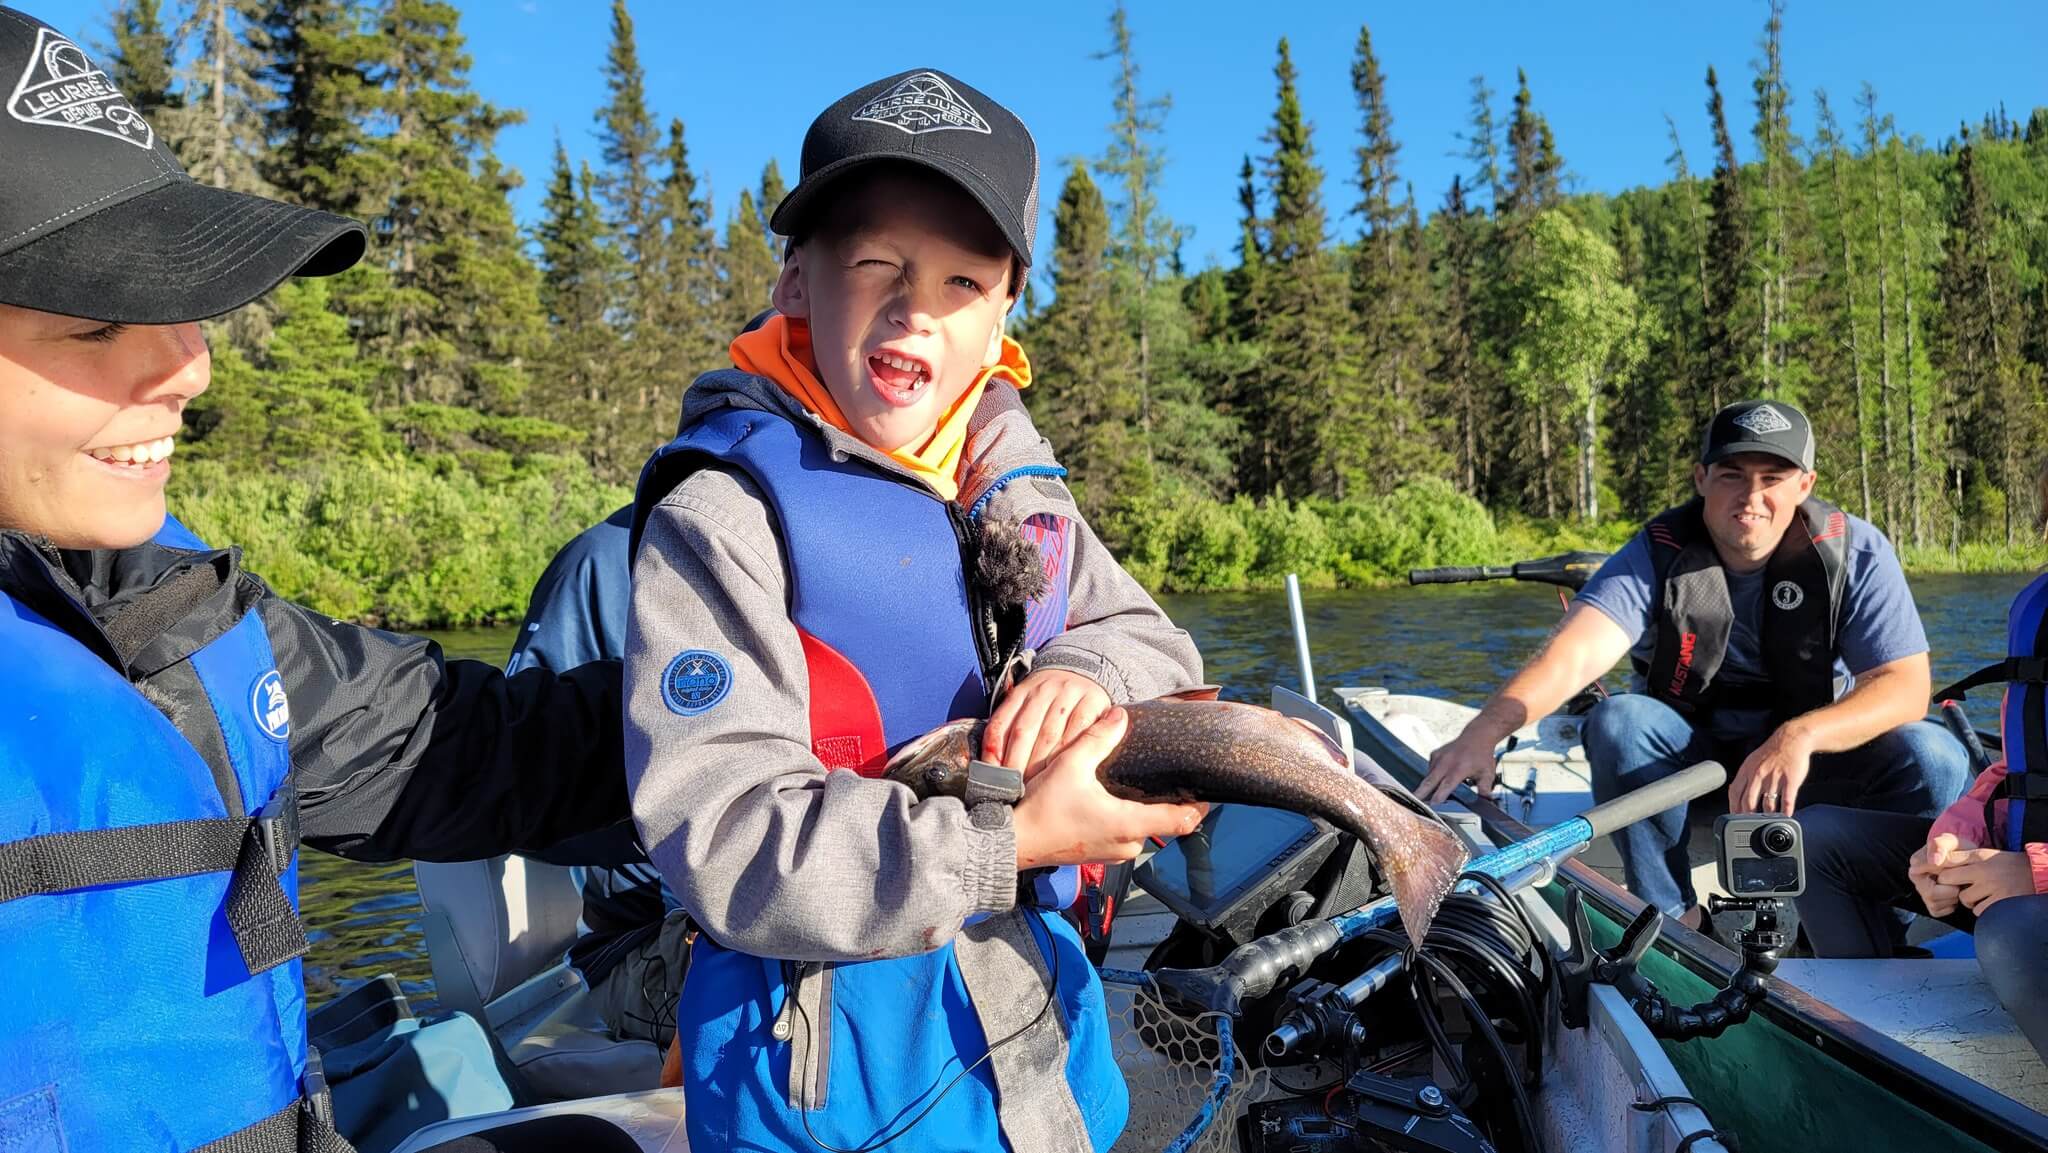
x,y
1068,818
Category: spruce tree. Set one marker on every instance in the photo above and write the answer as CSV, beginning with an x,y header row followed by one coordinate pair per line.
x,y
1309,378
1990,409
749,266
770,198
318,56
1145,238
1457,330
1387,285
1534,170
1780,213
1655,428
578,271
142,57
1084,394
1482,148
1887,465
461,307
691,326
217,126
629,143
1842,294
1728,346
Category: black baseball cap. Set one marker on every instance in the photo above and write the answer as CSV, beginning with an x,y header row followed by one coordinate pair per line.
x,y
927,118
1767,426
98,219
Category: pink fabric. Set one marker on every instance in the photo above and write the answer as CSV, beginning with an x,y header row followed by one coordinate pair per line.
x,y
1965,819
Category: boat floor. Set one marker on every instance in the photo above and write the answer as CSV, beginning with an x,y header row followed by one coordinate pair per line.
x,y
1940,1008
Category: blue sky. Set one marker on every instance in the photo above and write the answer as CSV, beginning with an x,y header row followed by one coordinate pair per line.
x,y
747,78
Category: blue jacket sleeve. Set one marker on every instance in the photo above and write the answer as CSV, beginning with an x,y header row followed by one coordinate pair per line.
x,y
577,613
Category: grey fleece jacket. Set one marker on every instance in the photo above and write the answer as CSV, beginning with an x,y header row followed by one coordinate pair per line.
x,y
770,853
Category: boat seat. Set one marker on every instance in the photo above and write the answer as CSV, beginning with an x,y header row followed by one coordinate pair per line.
x,y
497,931
652,1120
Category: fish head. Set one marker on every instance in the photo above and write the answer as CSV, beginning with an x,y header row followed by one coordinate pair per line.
x,y
935,764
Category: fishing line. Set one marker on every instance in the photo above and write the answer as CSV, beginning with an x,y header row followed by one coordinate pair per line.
x,y
1490,946
1052,963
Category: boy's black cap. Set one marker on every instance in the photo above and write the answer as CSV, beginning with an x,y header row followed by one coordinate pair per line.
x,y
97,218
1767,426
928,118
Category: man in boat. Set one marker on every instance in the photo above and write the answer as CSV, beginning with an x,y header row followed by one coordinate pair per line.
x,y
1767,629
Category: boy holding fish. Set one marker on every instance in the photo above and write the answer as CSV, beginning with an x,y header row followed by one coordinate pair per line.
x,y
855,539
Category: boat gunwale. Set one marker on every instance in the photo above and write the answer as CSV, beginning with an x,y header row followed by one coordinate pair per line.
x,y
1988,1115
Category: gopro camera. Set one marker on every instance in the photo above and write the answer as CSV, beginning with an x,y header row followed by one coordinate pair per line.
x,y
1761,855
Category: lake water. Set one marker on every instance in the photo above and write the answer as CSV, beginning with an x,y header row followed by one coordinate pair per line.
x,y
1457,642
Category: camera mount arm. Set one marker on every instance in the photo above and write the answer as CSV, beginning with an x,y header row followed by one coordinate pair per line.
x,y
1583,967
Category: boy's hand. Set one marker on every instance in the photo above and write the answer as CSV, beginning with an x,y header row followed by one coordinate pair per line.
x,y
1068,818
1983,877
1037,717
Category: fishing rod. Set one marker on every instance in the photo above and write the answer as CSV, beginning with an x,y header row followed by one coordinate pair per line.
x,y
1569,570
1255,969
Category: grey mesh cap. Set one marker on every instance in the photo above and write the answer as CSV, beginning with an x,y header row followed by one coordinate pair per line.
x,y
928,118
1767,426
97,218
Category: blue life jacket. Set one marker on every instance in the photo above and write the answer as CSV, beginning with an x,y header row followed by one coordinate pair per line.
x,y
2023,722
775,1051
148,903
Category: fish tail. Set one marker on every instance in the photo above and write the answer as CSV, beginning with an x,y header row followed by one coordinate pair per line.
x,y
1422,874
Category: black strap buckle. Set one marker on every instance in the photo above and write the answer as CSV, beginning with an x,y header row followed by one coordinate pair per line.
x,y
993,784
2032,670
276,827
316,1107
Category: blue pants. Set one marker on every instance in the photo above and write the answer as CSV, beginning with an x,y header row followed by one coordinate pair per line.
x,y
1633,739
1856,875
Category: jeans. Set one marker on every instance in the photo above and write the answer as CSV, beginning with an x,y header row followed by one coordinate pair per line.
x,y
1633,739
1856,874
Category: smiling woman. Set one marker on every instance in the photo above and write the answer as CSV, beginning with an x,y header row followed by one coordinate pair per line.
x,y
171,726
90,413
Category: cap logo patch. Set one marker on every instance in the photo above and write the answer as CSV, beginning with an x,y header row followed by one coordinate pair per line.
x,y
1763,420
62,88
922,102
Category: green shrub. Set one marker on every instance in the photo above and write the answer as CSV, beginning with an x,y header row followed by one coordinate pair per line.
x,y
396,540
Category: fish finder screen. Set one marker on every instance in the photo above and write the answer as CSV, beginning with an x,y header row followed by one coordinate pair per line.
x,y
1234,848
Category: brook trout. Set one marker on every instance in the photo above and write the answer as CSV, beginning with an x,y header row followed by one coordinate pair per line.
x,y
1229,753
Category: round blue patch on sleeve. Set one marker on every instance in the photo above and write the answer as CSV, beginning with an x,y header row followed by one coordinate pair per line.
x,y
695,682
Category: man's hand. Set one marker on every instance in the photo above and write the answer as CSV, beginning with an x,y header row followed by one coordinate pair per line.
x,y
1984,877
1933,856
1468,757
1770,777
1068,818
1040,715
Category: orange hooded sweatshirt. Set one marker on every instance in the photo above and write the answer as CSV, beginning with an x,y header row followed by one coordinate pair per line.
x,y
781,351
